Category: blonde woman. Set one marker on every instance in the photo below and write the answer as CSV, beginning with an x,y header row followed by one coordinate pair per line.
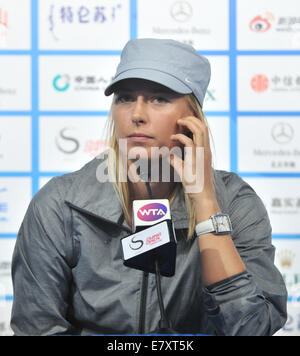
x,y
68,271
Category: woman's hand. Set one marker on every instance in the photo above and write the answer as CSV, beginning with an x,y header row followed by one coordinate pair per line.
x,y
219,256
195,170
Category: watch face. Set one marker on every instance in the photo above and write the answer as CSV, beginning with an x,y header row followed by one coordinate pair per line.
x,y
223,224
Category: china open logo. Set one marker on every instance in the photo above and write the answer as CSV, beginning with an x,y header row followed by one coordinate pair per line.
x,y
152,212
260,83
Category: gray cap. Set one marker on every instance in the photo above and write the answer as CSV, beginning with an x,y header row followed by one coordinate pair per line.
x,y
170,63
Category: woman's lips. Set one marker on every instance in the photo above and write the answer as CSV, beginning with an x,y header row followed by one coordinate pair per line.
x,y
139,138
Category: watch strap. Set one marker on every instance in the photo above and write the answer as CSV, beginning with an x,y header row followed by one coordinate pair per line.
x,y
205,227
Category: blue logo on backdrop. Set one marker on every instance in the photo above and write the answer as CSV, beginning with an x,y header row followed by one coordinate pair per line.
x,y
3,205
1,154
89,82
293,323
61,82
69,15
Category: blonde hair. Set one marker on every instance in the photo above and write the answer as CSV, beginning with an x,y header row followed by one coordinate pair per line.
x,y
120,182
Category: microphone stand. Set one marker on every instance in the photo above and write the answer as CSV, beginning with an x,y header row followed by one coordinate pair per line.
x,y
164,325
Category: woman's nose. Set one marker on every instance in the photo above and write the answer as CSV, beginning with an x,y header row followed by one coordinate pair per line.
x,y
139,115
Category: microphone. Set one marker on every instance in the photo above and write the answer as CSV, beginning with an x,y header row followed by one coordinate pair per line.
x,y
152,249
154,238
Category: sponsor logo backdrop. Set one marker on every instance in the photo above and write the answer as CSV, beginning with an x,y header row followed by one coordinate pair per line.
x,y
57,56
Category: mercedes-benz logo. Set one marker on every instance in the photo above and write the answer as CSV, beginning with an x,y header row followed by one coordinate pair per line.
x,y
181,11
283,133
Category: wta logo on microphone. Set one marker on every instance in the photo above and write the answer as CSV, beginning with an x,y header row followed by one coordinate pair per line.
x,y
149,212
152,230
152,212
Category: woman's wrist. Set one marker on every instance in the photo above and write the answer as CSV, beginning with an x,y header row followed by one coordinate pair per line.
x,y
205,206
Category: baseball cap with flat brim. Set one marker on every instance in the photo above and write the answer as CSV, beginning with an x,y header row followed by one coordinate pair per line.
x,y
172,64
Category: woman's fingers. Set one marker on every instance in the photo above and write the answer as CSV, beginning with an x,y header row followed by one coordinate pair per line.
x,y
198,129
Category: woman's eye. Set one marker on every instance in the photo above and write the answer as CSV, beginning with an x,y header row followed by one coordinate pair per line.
x,y
123,98
160,100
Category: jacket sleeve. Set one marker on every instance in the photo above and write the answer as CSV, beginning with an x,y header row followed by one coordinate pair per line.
x,y
41,269
252,303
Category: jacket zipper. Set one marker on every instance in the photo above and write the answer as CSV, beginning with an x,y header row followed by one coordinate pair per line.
x,y
143,303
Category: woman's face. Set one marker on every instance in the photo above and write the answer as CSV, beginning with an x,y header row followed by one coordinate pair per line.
x,y
145,114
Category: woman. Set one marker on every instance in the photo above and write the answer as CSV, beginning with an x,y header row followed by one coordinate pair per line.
x,y
68,271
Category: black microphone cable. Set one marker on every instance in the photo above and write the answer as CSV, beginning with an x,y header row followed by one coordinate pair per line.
x,y
164,323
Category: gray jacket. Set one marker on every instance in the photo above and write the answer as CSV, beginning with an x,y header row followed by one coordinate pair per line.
x,y
69,277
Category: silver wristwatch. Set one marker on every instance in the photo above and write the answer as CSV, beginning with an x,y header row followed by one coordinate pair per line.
x,y
219,224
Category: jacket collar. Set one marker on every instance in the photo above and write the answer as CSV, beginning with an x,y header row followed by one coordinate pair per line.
x,y
90,194
93,196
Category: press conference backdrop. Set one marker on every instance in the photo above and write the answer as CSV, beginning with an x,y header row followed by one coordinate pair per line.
x,y
57,56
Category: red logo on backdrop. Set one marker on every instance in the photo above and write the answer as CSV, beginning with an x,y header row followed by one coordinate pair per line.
x,y
3,18
260,83
3,23
260,24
